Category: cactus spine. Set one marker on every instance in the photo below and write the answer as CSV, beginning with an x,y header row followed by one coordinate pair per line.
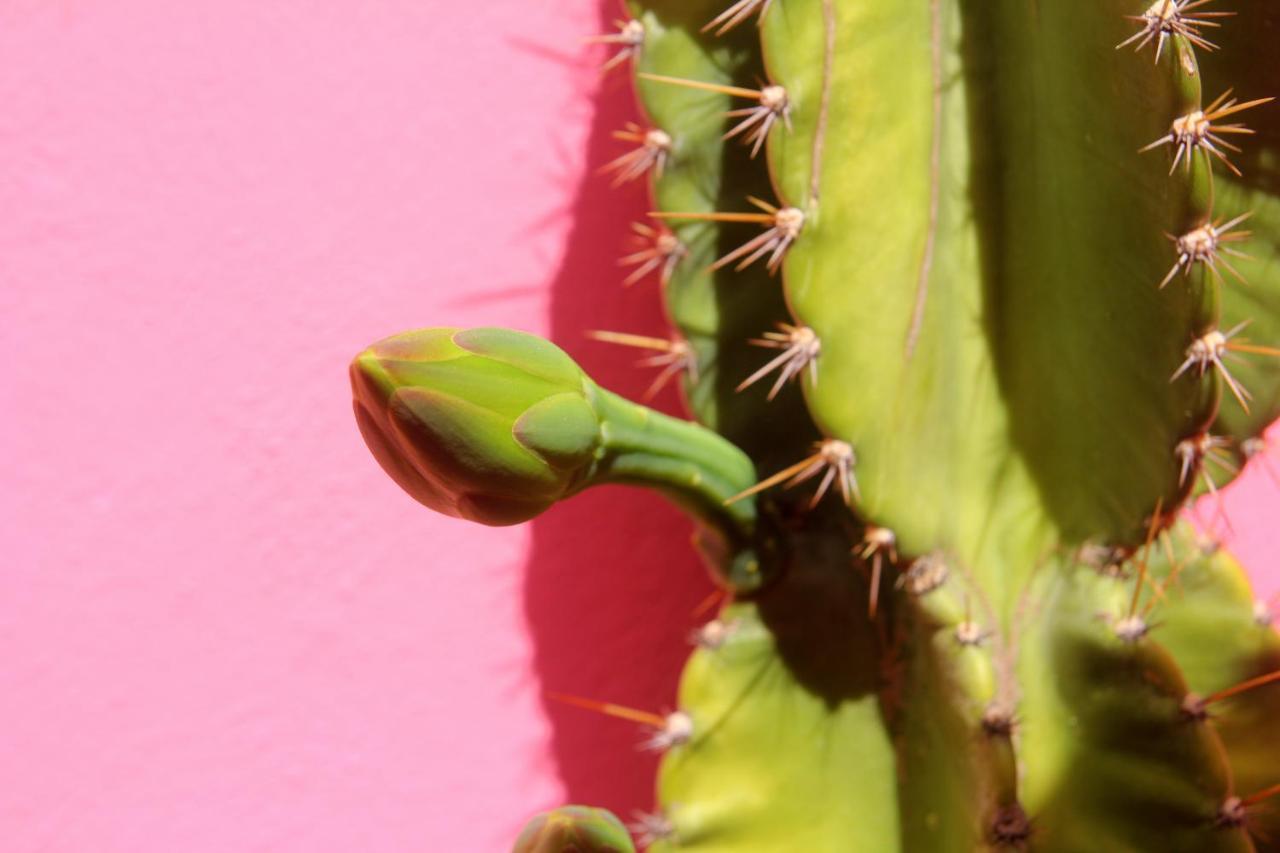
x,y
962,280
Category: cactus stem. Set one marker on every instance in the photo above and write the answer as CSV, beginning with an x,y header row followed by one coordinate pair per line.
x,y
1165,18
833,459
736,14
674,357
877,544
785,225
800,349
674,729
651,828
1197,131
655,147
659,250
629,39
1209,351
756,121
1201,245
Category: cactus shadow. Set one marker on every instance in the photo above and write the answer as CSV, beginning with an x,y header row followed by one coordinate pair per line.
x,y
610,584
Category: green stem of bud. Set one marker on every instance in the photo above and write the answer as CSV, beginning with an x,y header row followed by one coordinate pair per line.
x,y
693,466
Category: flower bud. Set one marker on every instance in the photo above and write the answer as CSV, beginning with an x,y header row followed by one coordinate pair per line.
x,y
579,828
489,425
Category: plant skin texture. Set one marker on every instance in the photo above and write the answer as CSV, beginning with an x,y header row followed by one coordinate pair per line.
x,y
970,298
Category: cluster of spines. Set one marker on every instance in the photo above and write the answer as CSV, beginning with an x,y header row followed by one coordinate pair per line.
x,y
1165,19
1200,132
1209,245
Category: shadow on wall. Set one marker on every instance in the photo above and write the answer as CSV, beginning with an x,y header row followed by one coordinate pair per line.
x,y
612,581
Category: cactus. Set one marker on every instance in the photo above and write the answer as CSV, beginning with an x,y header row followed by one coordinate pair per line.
x,y
970,299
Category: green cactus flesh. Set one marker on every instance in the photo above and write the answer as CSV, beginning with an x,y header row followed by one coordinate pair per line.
x,y
959,345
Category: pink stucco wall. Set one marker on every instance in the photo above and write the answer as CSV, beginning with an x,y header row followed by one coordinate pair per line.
x,y
221,627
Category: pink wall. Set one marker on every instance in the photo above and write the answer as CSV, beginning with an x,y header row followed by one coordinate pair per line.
x,y
221,627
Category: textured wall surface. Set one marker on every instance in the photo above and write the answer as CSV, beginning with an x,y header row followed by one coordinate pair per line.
x,y
221,627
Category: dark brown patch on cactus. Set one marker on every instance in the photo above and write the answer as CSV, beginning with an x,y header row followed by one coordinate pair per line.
x,y
1011,827
998,720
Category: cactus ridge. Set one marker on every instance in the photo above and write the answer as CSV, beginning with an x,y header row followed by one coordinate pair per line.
x,y
958,341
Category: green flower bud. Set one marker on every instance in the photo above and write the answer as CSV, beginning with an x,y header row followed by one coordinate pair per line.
x,y
574,828
489,425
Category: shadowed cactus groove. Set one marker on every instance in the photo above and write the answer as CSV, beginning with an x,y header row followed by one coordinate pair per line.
x,y
969,299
